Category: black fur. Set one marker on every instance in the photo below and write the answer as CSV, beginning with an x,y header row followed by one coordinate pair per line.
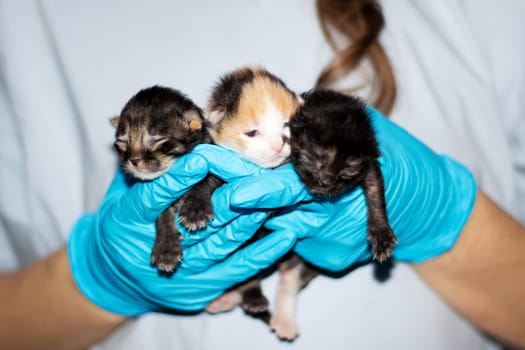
x,y
227,93
334,149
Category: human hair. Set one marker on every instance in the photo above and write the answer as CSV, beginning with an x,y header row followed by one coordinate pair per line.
x,y
359,22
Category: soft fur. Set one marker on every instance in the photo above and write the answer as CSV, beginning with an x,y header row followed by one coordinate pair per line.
x,y
334,149
249,112
155,127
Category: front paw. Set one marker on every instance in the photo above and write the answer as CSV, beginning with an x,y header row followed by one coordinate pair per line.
x,y
284,326
166,256
382,240
195,215
254,301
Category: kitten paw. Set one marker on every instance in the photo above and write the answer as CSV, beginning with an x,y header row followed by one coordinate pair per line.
x,y
226,302
284,327
383,241
194,215
166,257
254,302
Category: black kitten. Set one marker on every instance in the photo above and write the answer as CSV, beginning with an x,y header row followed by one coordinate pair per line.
x,y
155,127
334,149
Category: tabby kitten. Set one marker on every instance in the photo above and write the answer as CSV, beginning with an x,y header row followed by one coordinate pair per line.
x,y
155,127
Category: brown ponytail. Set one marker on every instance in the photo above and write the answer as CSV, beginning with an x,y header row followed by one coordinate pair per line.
x,y
359,21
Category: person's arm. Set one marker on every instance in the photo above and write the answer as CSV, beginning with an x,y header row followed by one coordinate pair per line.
x,y
482,275
42,308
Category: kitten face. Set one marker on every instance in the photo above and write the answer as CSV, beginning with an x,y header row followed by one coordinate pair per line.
x,y
332,142
260,135
156,126
324,170
249,113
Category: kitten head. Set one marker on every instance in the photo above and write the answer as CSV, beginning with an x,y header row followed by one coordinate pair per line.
x,y
249,111
332,142
155,127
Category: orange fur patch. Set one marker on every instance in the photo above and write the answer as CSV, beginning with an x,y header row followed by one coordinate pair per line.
x,y
195,125
255,98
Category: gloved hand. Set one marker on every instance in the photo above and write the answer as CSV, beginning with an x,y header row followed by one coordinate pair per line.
x,y
429,198
109,250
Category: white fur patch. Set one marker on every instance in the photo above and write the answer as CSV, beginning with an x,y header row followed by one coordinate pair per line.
x,y
267,148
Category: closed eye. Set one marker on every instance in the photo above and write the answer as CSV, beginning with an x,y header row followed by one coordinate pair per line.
x,y
286,124
252,133
156,143
121,145
349,173
348,176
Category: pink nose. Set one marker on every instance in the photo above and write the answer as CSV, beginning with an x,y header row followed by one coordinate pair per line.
x,y
279,148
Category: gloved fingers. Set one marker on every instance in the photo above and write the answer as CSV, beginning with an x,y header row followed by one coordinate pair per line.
x,y
276,188
303,220
149,199
152,197
248,261
119,185
223,215
339,242
338,218
199,289
331,255
217,246
226,164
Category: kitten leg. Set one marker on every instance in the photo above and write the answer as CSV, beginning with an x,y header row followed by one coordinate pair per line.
x,y
197,210
294,276
380,233
253,299
167,252
226,302
249,295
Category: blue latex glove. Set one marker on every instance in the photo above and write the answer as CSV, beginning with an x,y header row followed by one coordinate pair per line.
x,y
429,198
109,251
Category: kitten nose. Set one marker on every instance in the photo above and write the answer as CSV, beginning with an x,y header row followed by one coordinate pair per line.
x,y
135,160
324,181
278,148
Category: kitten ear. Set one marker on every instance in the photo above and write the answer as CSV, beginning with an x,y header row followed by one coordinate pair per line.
x,y
114,121
194,119
214,117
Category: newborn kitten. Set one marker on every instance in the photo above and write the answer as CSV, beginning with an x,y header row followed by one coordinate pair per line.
x,y
334,149
249,112
155,127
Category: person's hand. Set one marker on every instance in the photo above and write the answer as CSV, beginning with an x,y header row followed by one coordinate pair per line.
x,y
109,251
429,198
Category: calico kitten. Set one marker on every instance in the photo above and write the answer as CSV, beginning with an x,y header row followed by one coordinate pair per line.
x,y
249,113
155,127
330,141
334,149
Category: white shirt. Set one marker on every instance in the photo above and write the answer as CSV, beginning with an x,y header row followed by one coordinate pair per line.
x,y
68,66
